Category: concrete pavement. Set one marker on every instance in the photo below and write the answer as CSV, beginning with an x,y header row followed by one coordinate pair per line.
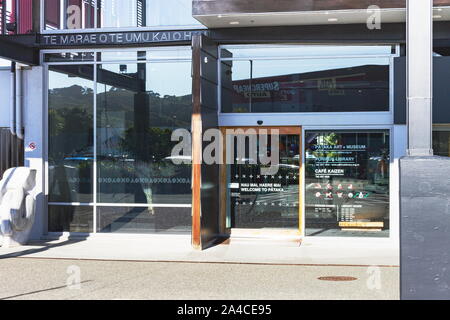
x,y
30,278
352,251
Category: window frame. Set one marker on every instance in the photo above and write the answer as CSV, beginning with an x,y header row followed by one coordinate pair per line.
x,y
393,172
43,30
384,117
95,63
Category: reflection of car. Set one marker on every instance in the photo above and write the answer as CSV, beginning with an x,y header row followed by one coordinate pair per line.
x,y
87,154
81,155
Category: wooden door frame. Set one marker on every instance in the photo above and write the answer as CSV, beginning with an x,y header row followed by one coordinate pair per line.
x,y
288,130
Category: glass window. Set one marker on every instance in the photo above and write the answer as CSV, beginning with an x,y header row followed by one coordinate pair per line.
x,y
70,219
282,51
163,53
70,151
69,14
80,14
310,85
178,13
69,57
143,220
441,140
138,107
291,79
119,13
150,13
257,201
347,183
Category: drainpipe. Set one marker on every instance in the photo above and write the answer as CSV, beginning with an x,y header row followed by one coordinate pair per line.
x,y
19,98
12,100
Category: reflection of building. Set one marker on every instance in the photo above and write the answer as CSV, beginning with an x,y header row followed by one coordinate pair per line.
x,y
115,78
363,88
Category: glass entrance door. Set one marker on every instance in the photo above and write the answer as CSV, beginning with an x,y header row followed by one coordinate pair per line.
x,y
258,200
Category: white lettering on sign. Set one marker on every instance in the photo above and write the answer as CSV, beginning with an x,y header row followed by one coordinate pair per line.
x,y
114,38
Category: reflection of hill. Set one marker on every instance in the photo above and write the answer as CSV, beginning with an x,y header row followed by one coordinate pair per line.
x,y
71,97
70,120
166,111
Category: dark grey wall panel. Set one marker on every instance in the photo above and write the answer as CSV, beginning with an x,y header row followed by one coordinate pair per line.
x,y
400,90
210,232
11,151
209,94
441,90
425,228
349,33
209,70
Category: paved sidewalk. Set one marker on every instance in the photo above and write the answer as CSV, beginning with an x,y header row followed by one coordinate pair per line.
x,y
25,278
177,248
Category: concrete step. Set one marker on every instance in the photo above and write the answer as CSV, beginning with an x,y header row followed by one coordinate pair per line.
x,y
278,237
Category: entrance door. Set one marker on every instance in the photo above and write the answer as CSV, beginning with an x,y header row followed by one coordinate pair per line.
x,y
258,200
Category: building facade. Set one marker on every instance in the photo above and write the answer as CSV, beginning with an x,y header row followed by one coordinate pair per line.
x,y
105,83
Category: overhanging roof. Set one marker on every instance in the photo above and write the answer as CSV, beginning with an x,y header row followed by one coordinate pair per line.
x,y
20,48
262,13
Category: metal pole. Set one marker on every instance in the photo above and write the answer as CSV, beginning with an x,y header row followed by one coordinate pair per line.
x,y
19,106
12,100
420,77
3,18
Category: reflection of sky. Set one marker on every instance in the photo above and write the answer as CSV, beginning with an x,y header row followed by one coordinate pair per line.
x,y
174,78
242,51
270,68
165,78
5,63
120,13
59,80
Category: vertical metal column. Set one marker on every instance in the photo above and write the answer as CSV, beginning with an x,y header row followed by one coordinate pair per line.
x,y
420,76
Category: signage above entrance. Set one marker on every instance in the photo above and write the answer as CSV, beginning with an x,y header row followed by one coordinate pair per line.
x,y
116,38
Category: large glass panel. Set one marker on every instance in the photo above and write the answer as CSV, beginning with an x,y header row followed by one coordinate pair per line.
x,y
119,13
138,107
69,14
139,13
143,220
80,14
347,183
70,219
69,57
70,150
305,85
259,201
441,140
272,51
178,13
163,53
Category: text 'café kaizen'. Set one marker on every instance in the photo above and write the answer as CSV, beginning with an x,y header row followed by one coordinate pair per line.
x,y
104,84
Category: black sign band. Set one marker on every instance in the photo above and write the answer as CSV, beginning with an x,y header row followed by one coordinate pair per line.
x,y
116,38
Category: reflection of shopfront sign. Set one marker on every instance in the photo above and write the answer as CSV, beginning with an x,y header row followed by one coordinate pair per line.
x,y
116,38
257,87
258,95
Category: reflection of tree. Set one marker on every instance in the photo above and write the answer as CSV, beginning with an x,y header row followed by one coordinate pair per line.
x,y
167,111
158,140
330,139
70,134
70,120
